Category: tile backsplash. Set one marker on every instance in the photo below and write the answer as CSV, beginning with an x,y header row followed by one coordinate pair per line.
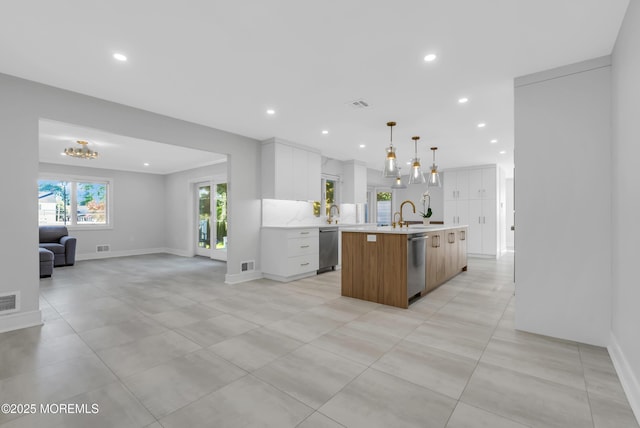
x,y
277,212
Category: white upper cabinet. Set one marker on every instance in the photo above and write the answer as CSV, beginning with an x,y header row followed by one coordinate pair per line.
x,y
456,185
290,171
482,183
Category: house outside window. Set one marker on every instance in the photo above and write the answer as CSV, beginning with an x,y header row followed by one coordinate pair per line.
x,y
74,202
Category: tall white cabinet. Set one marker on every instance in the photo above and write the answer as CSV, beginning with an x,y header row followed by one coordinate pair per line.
x,y
290,171
471,197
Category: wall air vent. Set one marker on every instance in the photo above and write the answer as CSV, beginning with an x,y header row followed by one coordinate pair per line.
x,y
359,103
9,302
103,248
248,265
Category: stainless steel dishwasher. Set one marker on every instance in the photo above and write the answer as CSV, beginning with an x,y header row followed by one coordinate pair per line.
x,y
416,263
328,248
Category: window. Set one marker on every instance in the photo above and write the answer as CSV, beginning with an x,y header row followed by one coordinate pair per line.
x,y
383,208
82,203
330,194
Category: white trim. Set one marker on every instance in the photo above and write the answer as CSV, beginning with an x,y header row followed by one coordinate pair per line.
x,y
123,253
289,278
565,70
20,320
236,278
630,383
177,252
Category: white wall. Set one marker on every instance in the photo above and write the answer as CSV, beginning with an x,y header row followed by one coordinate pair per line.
x,y
23,103
179,207
625,340
137,213
563,214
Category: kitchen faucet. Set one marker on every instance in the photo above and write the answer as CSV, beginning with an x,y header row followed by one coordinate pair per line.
x,y
330,219
401,207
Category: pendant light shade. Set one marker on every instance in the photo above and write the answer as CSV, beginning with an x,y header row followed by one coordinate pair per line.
x,y
390,163
434,175
398,184
416,176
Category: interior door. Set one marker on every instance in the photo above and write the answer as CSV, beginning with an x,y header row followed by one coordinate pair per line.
x,y
203,219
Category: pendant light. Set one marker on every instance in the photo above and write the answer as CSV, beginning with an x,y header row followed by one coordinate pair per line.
x,y
416,176
434,176
398,184
391,164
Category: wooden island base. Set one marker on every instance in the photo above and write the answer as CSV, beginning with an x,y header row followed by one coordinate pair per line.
x,y
375,269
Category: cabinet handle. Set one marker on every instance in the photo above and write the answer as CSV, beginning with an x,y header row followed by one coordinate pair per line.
x,y
304,264
463,235
452,237
458,219
304,246
304,233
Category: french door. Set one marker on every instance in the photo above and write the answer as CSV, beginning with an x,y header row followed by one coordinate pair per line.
x,y
211,220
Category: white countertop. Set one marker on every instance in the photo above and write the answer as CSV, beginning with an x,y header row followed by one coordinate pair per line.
x,y
310,226
414,228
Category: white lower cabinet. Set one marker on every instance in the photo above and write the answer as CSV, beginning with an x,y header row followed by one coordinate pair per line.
x,y
289,254
482,227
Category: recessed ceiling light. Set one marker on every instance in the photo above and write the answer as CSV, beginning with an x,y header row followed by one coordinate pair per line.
x,y
463,100
325,132
120,57
494,141
146,164
63,154
409,163
482,125
271,111
362,146
502,152
430,57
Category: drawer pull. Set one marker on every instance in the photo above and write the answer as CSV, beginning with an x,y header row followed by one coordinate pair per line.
x,y
304,264
304,233
463,235
452,237
304,246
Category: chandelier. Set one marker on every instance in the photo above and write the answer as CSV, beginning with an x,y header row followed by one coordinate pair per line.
x,y
82,152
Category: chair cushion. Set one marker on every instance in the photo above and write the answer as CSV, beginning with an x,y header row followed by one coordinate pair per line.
x,y
45,255
52,233
54,248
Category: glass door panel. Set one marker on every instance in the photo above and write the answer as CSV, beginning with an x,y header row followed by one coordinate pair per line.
x,y
204,220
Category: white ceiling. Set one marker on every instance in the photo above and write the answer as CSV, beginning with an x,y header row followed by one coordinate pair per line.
x,y
117,151
223,63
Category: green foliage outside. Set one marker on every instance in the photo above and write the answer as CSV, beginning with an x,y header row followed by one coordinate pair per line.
x,y
221,215
384,196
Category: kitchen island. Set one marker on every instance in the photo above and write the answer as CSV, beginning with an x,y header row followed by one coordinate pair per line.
x,y
393,265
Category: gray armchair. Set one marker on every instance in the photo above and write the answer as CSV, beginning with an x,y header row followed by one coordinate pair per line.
x,y
57,240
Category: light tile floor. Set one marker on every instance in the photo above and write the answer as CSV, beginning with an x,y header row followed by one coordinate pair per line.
x,y
161,341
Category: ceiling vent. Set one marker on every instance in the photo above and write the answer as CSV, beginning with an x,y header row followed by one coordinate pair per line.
x,y
359,103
